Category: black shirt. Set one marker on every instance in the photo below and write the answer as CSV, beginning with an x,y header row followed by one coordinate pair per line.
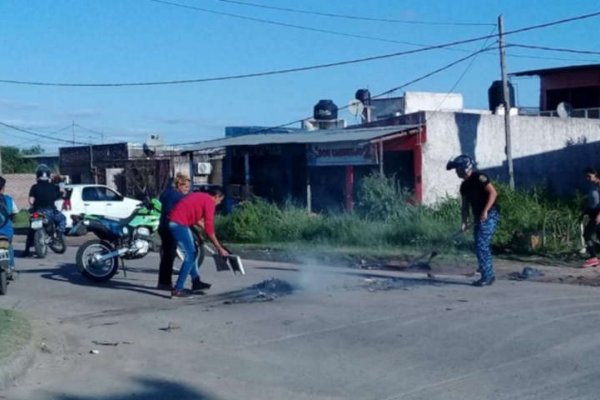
x,y
473,188
45,193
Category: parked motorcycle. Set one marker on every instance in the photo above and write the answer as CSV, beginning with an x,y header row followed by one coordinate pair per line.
x,y
45,234
5,269
119,239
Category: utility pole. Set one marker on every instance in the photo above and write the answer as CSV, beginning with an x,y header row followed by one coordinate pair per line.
x,y
507,105
73,131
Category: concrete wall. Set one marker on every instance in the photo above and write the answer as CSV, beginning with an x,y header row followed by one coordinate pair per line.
x,y
17,186
546,151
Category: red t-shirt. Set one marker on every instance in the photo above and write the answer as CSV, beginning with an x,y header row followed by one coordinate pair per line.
x,y
194,207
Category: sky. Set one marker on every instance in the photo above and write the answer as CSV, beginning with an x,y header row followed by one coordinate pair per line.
x,y
109,43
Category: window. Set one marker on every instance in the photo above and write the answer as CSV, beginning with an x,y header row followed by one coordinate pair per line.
x,y
90,194
107,194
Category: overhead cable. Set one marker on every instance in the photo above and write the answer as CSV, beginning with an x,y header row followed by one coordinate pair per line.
x,y
299,69
284,24
575,51
438,70
355,17
40,135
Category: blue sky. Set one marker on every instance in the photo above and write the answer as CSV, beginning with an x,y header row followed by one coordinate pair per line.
x,y
123,41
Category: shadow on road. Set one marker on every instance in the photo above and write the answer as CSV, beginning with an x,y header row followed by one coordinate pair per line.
x,y
68,272
150,389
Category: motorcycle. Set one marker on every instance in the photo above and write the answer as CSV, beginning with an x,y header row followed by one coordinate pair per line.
x,y
6,271
45,235
119,239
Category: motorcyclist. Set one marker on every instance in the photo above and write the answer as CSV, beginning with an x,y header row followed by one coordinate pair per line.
x,y
41,198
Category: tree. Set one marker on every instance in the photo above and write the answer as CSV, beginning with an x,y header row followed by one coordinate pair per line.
x,y
33,150
13,161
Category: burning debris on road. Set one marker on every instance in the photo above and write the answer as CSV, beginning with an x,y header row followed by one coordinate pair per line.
x,y
267,290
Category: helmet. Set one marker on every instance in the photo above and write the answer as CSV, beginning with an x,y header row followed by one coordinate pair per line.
x,y
462,162
42,173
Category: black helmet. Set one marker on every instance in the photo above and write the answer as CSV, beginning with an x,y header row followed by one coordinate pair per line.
x,y
462,162
42,173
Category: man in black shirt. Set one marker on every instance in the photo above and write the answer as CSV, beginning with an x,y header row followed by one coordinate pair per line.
x,y
479,195
41,198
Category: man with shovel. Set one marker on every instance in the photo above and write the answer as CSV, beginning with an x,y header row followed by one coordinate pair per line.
x,y
479,195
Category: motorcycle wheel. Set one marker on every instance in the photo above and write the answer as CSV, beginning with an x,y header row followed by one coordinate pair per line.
x,y
39,243
3,282
58,245
100,271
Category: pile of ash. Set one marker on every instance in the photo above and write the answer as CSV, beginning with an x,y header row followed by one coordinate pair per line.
x,y
267,290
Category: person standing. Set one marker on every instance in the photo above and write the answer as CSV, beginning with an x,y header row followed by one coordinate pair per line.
x,y
42,196
168,199
593,213
479,195
194,209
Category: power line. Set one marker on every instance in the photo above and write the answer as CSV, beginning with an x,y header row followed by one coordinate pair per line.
x,y
354,17
526,46
300,69
40,135
445,67
271,22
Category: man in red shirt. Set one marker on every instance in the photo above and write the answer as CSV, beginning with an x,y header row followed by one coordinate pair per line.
x,y
194,209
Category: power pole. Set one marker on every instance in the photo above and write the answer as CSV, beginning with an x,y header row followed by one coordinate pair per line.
x,y
507,105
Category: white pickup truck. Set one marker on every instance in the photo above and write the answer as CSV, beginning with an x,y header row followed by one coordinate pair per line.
x,y
94,199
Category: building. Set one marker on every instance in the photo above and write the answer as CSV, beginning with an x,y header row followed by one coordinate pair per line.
x,y
131,169
577,87
322,168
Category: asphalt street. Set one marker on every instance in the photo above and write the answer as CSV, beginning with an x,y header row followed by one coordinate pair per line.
x,y
341,334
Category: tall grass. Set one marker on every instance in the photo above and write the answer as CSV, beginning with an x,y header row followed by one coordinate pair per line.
x,y
385,216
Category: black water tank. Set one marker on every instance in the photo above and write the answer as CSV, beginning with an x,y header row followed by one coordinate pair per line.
x,y
364,96
325,110
496,95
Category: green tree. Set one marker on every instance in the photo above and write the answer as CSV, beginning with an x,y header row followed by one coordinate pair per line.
x,y
13,161
33,150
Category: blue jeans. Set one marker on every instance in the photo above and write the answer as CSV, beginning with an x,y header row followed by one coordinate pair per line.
x,y
183,235
59,218
483,232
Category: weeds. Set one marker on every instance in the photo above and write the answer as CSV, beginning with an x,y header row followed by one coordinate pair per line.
x,y
384,216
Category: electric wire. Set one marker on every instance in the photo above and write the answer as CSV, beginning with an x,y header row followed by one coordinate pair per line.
x,y
305,68
284,24
40,135
546,48
355,17
438,70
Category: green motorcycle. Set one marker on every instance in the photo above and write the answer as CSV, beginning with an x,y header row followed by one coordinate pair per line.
x,y
118,240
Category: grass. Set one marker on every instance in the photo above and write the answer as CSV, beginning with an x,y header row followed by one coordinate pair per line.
x,y
15,332
21,220
385,219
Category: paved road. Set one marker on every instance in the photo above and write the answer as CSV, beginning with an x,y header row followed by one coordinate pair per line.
x,y
339,336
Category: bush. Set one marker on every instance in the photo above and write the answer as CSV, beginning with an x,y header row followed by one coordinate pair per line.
x,y
385,216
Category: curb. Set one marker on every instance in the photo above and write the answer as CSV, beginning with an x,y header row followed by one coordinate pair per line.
x,y
17,363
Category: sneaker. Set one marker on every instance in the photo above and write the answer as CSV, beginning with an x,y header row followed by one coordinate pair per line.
x,y
180,293
164,286
591,262
198,285
484,282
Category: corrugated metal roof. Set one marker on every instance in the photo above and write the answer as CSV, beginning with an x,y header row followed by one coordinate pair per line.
x,y
319,136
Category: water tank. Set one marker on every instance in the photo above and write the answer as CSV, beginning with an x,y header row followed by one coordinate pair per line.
x,y
325,110
496,95
364,96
